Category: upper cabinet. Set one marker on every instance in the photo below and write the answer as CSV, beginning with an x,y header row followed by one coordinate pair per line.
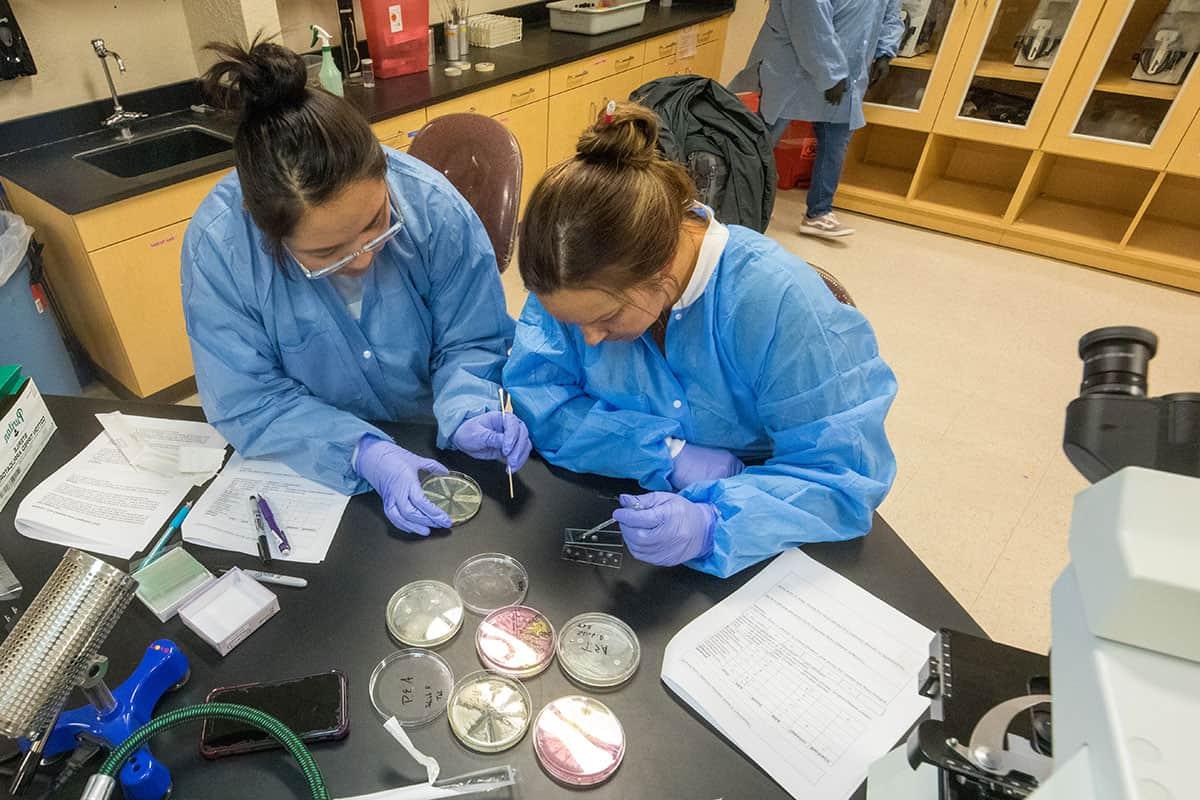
x,y
1135,93
1015,62
909,96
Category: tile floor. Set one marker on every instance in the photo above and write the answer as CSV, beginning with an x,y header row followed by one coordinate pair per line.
x,y
983,341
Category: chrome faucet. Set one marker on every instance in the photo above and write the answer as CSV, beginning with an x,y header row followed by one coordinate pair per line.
x,y
119,116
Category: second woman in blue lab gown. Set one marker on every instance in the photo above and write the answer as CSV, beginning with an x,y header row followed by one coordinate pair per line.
x,y
330,281
663,346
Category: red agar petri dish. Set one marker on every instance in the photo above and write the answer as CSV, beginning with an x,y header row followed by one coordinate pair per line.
x,y
517,641
578,741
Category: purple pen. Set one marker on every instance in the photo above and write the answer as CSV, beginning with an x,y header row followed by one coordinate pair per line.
x,y
285,547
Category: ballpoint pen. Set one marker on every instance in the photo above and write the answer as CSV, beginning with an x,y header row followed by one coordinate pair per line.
x,y
264,550
275,578
512,494
285,547
175,524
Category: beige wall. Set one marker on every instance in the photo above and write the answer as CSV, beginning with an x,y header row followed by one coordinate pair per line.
x,y
743,27
151,35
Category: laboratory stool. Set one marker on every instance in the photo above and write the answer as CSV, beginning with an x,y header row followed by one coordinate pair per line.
x,y
483,160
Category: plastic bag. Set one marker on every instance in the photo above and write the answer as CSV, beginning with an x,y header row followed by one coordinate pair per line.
x,y
14,244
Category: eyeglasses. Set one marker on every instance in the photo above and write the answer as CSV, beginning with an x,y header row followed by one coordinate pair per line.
x,y
370,247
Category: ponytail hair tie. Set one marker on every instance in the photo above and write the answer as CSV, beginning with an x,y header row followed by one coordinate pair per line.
x,y
609,111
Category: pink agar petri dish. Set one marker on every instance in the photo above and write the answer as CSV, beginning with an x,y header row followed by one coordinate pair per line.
x,y
517,641
578,740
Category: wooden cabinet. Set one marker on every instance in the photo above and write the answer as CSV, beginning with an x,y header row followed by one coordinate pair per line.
x,y
991,96
589,70
1105,113
1186,160
497,99
393,131
573,111
910,95
529,125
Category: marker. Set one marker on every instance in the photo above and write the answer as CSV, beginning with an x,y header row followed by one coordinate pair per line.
x,y
174,525
275,578
264,550
285,547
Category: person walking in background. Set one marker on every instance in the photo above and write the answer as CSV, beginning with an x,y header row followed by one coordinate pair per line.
x,y
813,60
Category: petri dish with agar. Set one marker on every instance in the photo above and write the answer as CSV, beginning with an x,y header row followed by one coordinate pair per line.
x,y
516,641
456,493
489,712
489,581
598,650
578,740
424,614
411,685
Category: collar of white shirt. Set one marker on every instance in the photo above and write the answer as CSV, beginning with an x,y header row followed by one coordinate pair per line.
x,y
715,238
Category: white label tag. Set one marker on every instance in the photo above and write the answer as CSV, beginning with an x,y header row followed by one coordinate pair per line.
x,y
396,18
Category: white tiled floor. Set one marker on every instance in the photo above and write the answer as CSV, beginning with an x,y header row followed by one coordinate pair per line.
x,y
983,341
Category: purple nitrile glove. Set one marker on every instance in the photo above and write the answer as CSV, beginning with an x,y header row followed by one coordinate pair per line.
x,y
494,436
395,474
665,529
695,464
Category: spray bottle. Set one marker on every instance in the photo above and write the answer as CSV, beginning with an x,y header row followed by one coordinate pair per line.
x,y
329,75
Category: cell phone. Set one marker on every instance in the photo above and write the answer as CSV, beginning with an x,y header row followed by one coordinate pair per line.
x,y
314,707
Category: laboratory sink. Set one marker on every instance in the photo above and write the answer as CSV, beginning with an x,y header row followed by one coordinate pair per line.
x,y
157,151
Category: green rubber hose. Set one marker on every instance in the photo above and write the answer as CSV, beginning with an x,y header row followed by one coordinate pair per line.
x,y
228,711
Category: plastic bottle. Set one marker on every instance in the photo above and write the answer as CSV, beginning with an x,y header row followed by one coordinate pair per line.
x,y
329,75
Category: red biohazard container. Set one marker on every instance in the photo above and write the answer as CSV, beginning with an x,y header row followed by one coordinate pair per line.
x,y
397,36
795,153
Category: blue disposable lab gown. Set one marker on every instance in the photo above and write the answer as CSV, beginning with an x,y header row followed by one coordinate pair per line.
x,y
765,363
286,372
807,46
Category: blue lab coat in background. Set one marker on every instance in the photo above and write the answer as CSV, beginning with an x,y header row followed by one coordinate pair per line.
x,y
765,363
807,46
284,370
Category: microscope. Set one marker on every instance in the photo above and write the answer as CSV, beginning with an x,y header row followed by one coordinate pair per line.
x,y
1109,714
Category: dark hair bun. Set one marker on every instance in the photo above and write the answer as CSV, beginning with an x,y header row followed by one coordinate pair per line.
x,y
260,80
626,138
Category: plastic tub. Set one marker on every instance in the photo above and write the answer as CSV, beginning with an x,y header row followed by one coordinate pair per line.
x,y
591,18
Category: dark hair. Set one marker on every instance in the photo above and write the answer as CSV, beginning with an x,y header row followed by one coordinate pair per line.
x,y
295,147
610,217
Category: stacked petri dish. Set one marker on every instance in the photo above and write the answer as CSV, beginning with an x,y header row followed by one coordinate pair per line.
x,y
424,614
517,641
489,712
489,581
598,650
412,685
578,741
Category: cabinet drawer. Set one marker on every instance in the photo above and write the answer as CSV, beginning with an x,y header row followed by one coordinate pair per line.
x,y
497,99
712,31
571,112
139,279
663,46
405,125
128,218
528,125
588,70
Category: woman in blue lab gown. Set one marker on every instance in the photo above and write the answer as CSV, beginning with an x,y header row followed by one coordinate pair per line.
x,y
331,281
663,346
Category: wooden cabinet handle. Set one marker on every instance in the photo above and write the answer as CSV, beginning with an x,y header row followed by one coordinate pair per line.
x,y
577,75
525,93
624,60
666,49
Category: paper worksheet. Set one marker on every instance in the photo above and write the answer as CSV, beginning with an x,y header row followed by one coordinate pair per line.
x,y
167,446
98,502
308,513
809,675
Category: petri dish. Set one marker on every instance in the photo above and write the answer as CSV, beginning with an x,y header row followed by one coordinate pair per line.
x,y
516,641
598,650
578,740
456,493
424,614
489,581
489,712
411,685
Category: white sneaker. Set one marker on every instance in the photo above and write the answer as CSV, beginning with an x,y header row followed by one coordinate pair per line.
x,y
826,226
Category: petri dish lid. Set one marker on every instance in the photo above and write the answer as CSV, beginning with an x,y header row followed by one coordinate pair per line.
x,y
489,581
456,493
489,712
516,641
578,740
424,613
598,650
411,685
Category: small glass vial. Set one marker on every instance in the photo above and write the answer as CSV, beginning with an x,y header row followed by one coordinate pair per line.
x,y
368,73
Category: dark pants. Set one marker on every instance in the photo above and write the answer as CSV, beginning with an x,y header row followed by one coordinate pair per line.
x,y
832,139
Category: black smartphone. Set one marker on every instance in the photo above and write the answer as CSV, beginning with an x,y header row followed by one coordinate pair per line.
x,y
314,707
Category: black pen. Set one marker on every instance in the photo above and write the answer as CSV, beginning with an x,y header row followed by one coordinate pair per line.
x,y
264,549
